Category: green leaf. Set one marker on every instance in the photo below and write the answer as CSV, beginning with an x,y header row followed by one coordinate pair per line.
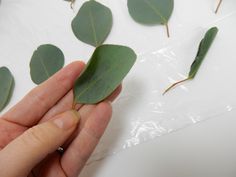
x,y
45,62
151,12
93,23
105,70
6,87
203,48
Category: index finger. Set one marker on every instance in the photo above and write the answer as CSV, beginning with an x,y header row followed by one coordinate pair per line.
x,y
78,152
37,102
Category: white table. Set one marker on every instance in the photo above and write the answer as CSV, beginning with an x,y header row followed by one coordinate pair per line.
x,y
206,149
203,150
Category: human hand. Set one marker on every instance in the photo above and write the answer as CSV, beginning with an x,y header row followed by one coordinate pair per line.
x,y
32,131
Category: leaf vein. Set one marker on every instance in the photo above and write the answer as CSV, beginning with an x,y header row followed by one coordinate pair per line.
x,y
93,27
156,10
44,66
95,81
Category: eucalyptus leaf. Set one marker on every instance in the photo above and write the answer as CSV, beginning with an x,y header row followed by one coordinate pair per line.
x,y
93,23
204,47
6,87
218,6
104,72
45,62
151,12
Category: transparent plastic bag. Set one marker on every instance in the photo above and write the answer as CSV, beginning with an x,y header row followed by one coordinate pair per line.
x,y
142,113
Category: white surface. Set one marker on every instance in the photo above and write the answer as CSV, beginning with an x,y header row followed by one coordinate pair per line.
x,y
206,149
26,24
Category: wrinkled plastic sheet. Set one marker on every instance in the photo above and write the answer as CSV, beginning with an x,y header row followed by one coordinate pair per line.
x,y
141,113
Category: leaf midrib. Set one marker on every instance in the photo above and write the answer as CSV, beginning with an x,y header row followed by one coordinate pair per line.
x,y
44,66
155,10
93,83
93,26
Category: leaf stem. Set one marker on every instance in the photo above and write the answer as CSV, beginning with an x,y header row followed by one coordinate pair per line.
x,y
218,6
72,4
173,85
167,30
73,105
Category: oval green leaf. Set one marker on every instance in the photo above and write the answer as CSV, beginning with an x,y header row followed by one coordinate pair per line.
x,y
151,12
93,23
45,62
6,87
104,72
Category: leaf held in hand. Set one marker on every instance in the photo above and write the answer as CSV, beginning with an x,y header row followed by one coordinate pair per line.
x,y
6,87
151,12
104,72
204,47
45,62
93,23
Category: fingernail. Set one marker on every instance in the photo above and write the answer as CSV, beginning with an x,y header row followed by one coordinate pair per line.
x,y
67,120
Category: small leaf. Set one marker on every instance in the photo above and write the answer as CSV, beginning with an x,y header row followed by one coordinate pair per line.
x,y
204,47
151,12
6,87
93,23
105,70
218,6
45,62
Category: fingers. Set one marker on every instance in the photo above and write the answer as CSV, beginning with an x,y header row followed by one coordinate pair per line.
x,y
75,157
63,105
115,94
9,131
35,144
66,104
36,103
84,110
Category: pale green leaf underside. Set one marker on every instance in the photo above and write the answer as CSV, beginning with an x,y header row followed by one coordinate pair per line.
x,y
6,87
93,23
45,62
106,69
151,12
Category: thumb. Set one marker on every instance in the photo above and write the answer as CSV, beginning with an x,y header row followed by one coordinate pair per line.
x,y
21,155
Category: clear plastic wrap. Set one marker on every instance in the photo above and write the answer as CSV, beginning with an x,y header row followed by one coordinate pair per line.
x,y
142,113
